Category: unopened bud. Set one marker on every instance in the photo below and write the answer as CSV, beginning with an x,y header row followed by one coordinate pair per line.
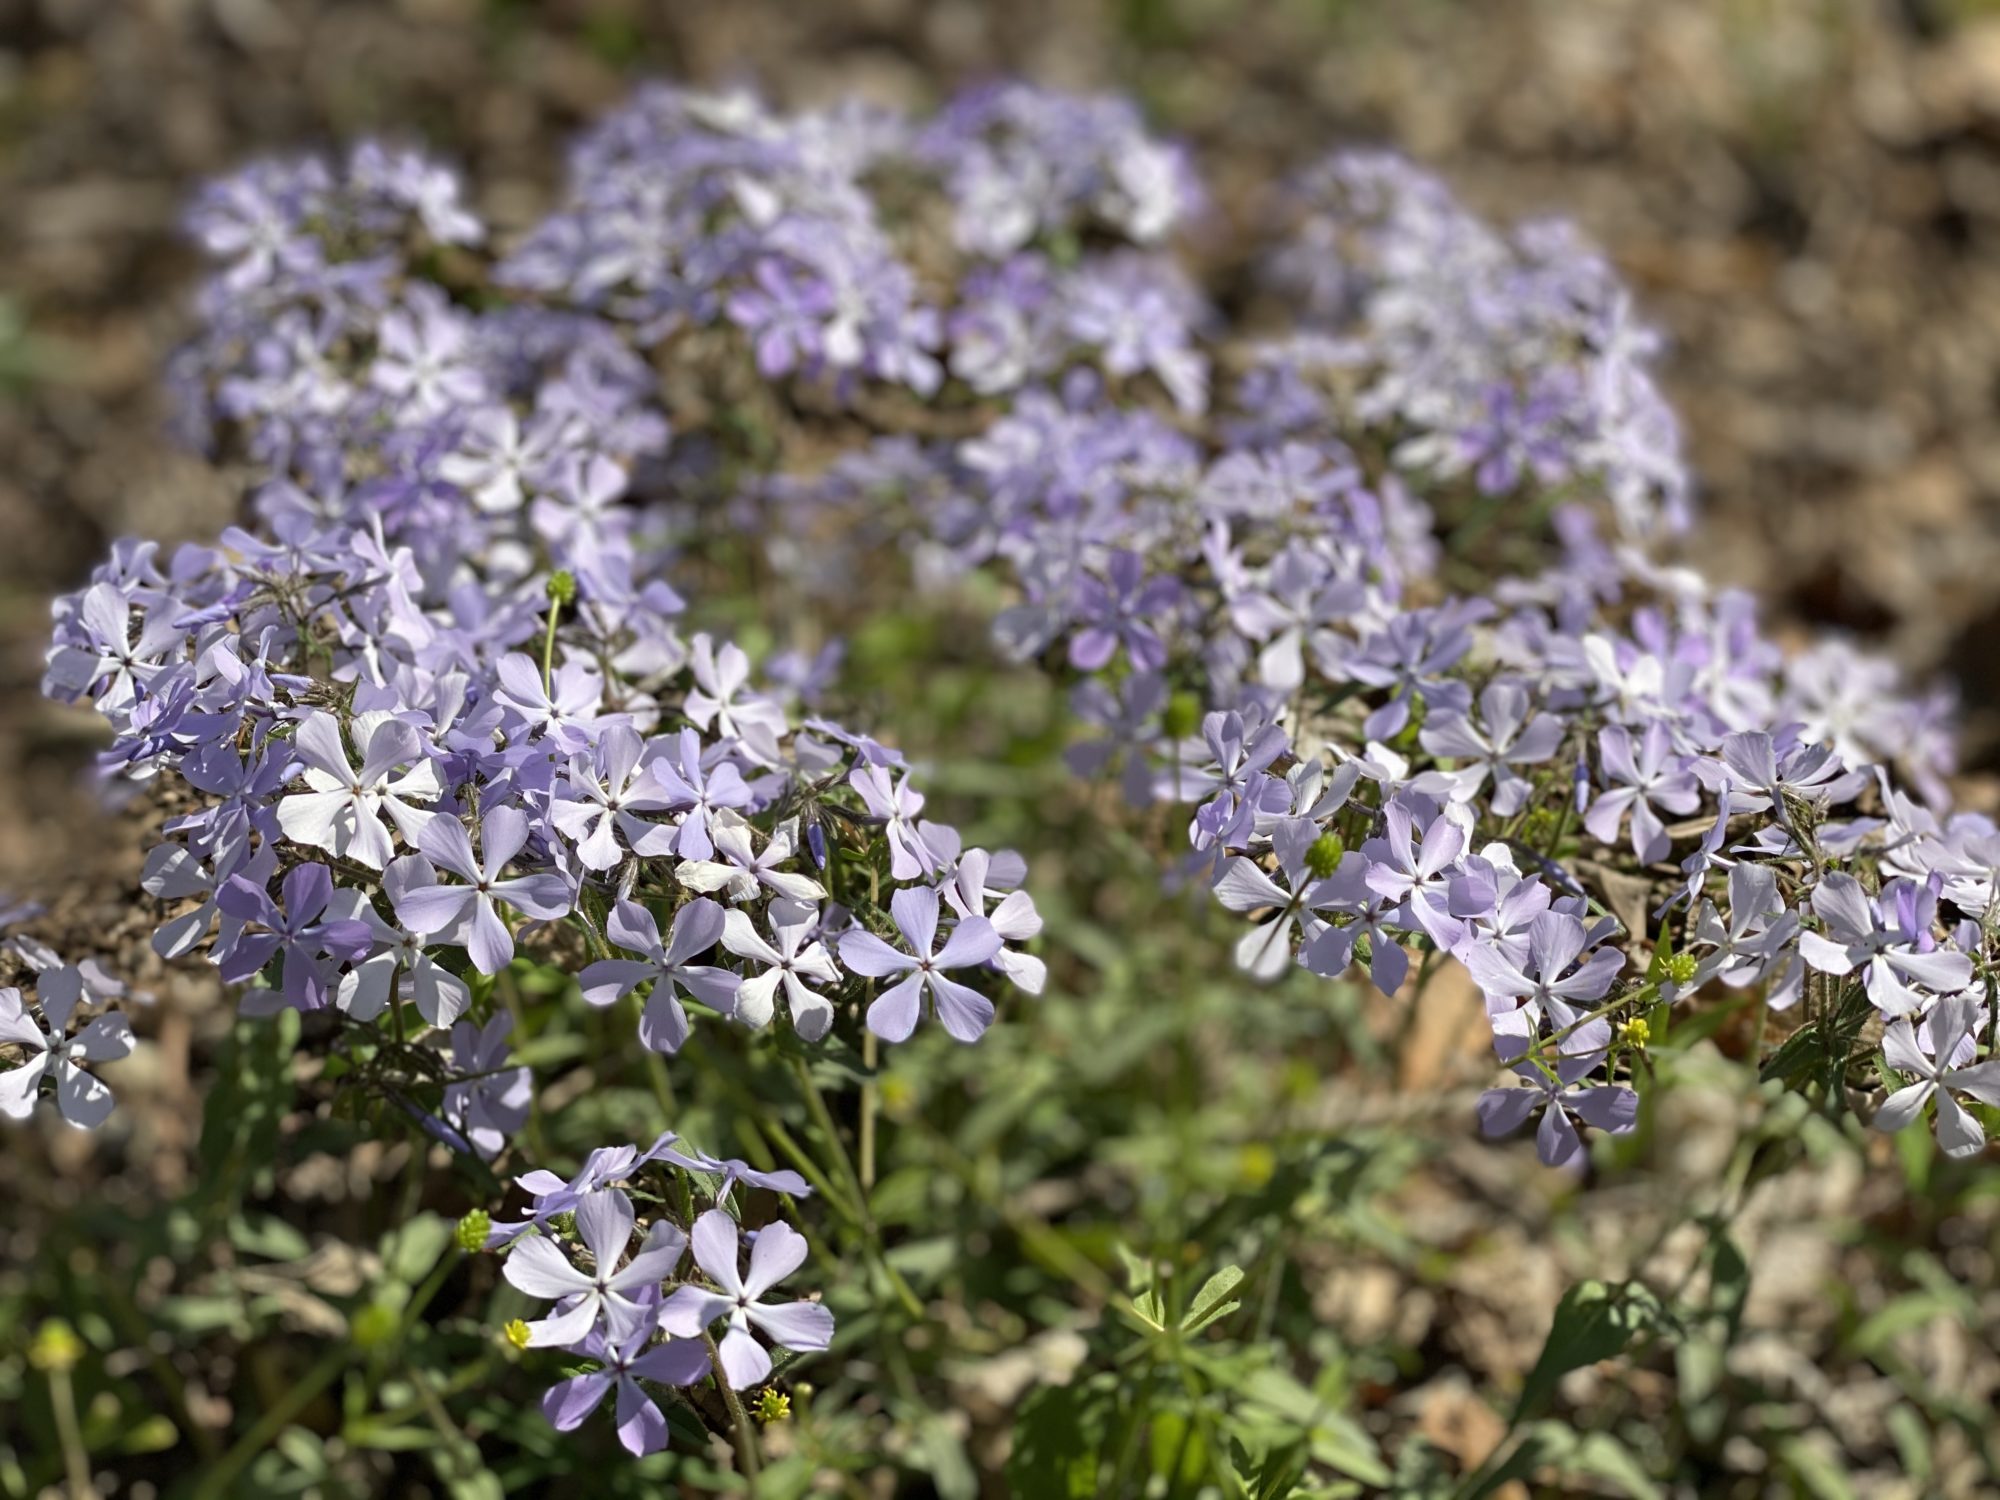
x,y
1680,968
561,586
1183,715
374,1325
472,1231
773,1406
1323,855
56,1346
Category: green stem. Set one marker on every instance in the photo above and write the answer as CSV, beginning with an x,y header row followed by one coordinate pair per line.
x,y
870,1102
549,645
739,1420
76,1458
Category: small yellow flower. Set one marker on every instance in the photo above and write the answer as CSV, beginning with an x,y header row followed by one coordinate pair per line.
x,y
56,1346
1635,1033
517,1334
773,1406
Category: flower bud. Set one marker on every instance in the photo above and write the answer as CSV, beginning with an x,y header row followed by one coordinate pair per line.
x,y
1323,855
472,1231
773,1405
56,1346
373,1326
561,587
1183,715
1680,968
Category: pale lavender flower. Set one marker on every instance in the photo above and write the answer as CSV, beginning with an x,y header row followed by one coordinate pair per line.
x,y
892,1016
1937,1061
433,909
776,1251
642,1429
607,1295
697,927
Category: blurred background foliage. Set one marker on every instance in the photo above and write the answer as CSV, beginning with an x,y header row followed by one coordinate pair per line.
x,y
1745,1298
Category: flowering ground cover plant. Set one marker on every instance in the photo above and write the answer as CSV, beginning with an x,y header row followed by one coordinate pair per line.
x,y
462,777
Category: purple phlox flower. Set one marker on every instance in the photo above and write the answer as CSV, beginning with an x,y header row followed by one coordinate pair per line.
x,y
776,1252
981,876
293,929
1300,595
784,312
1773,767
697,927
698,787
1407,657
484,1111
554,1196
1128,712
601,798
581,507
1512,737
1759,942
101,655
1496,904
896,805
497,459
605,1295
567,711
82,1098
1647,779
1612,1108
792,956
729,1169
721,698
892,1016
1520,431
1122,608
1244,886
1937,1059
432,910
424,357
342,813
174,873
1558,978
742,869
1138,312
1889,938
624,1363
1415,869
397,954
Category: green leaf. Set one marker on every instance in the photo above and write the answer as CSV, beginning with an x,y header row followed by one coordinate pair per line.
x,y
1334,1438
1820,1473
1059,1440
1208,1303
1145,1298
1593,1321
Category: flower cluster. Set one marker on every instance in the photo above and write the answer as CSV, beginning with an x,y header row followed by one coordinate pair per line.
x,y
649,1316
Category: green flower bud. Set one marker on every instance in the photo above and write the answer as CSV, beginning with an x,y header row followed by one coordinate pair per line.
x,y
56,1346
773,1406
1323,855
1183,715
1635,1033
562,586
1680,968
374,1325
472,1231
563,1226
